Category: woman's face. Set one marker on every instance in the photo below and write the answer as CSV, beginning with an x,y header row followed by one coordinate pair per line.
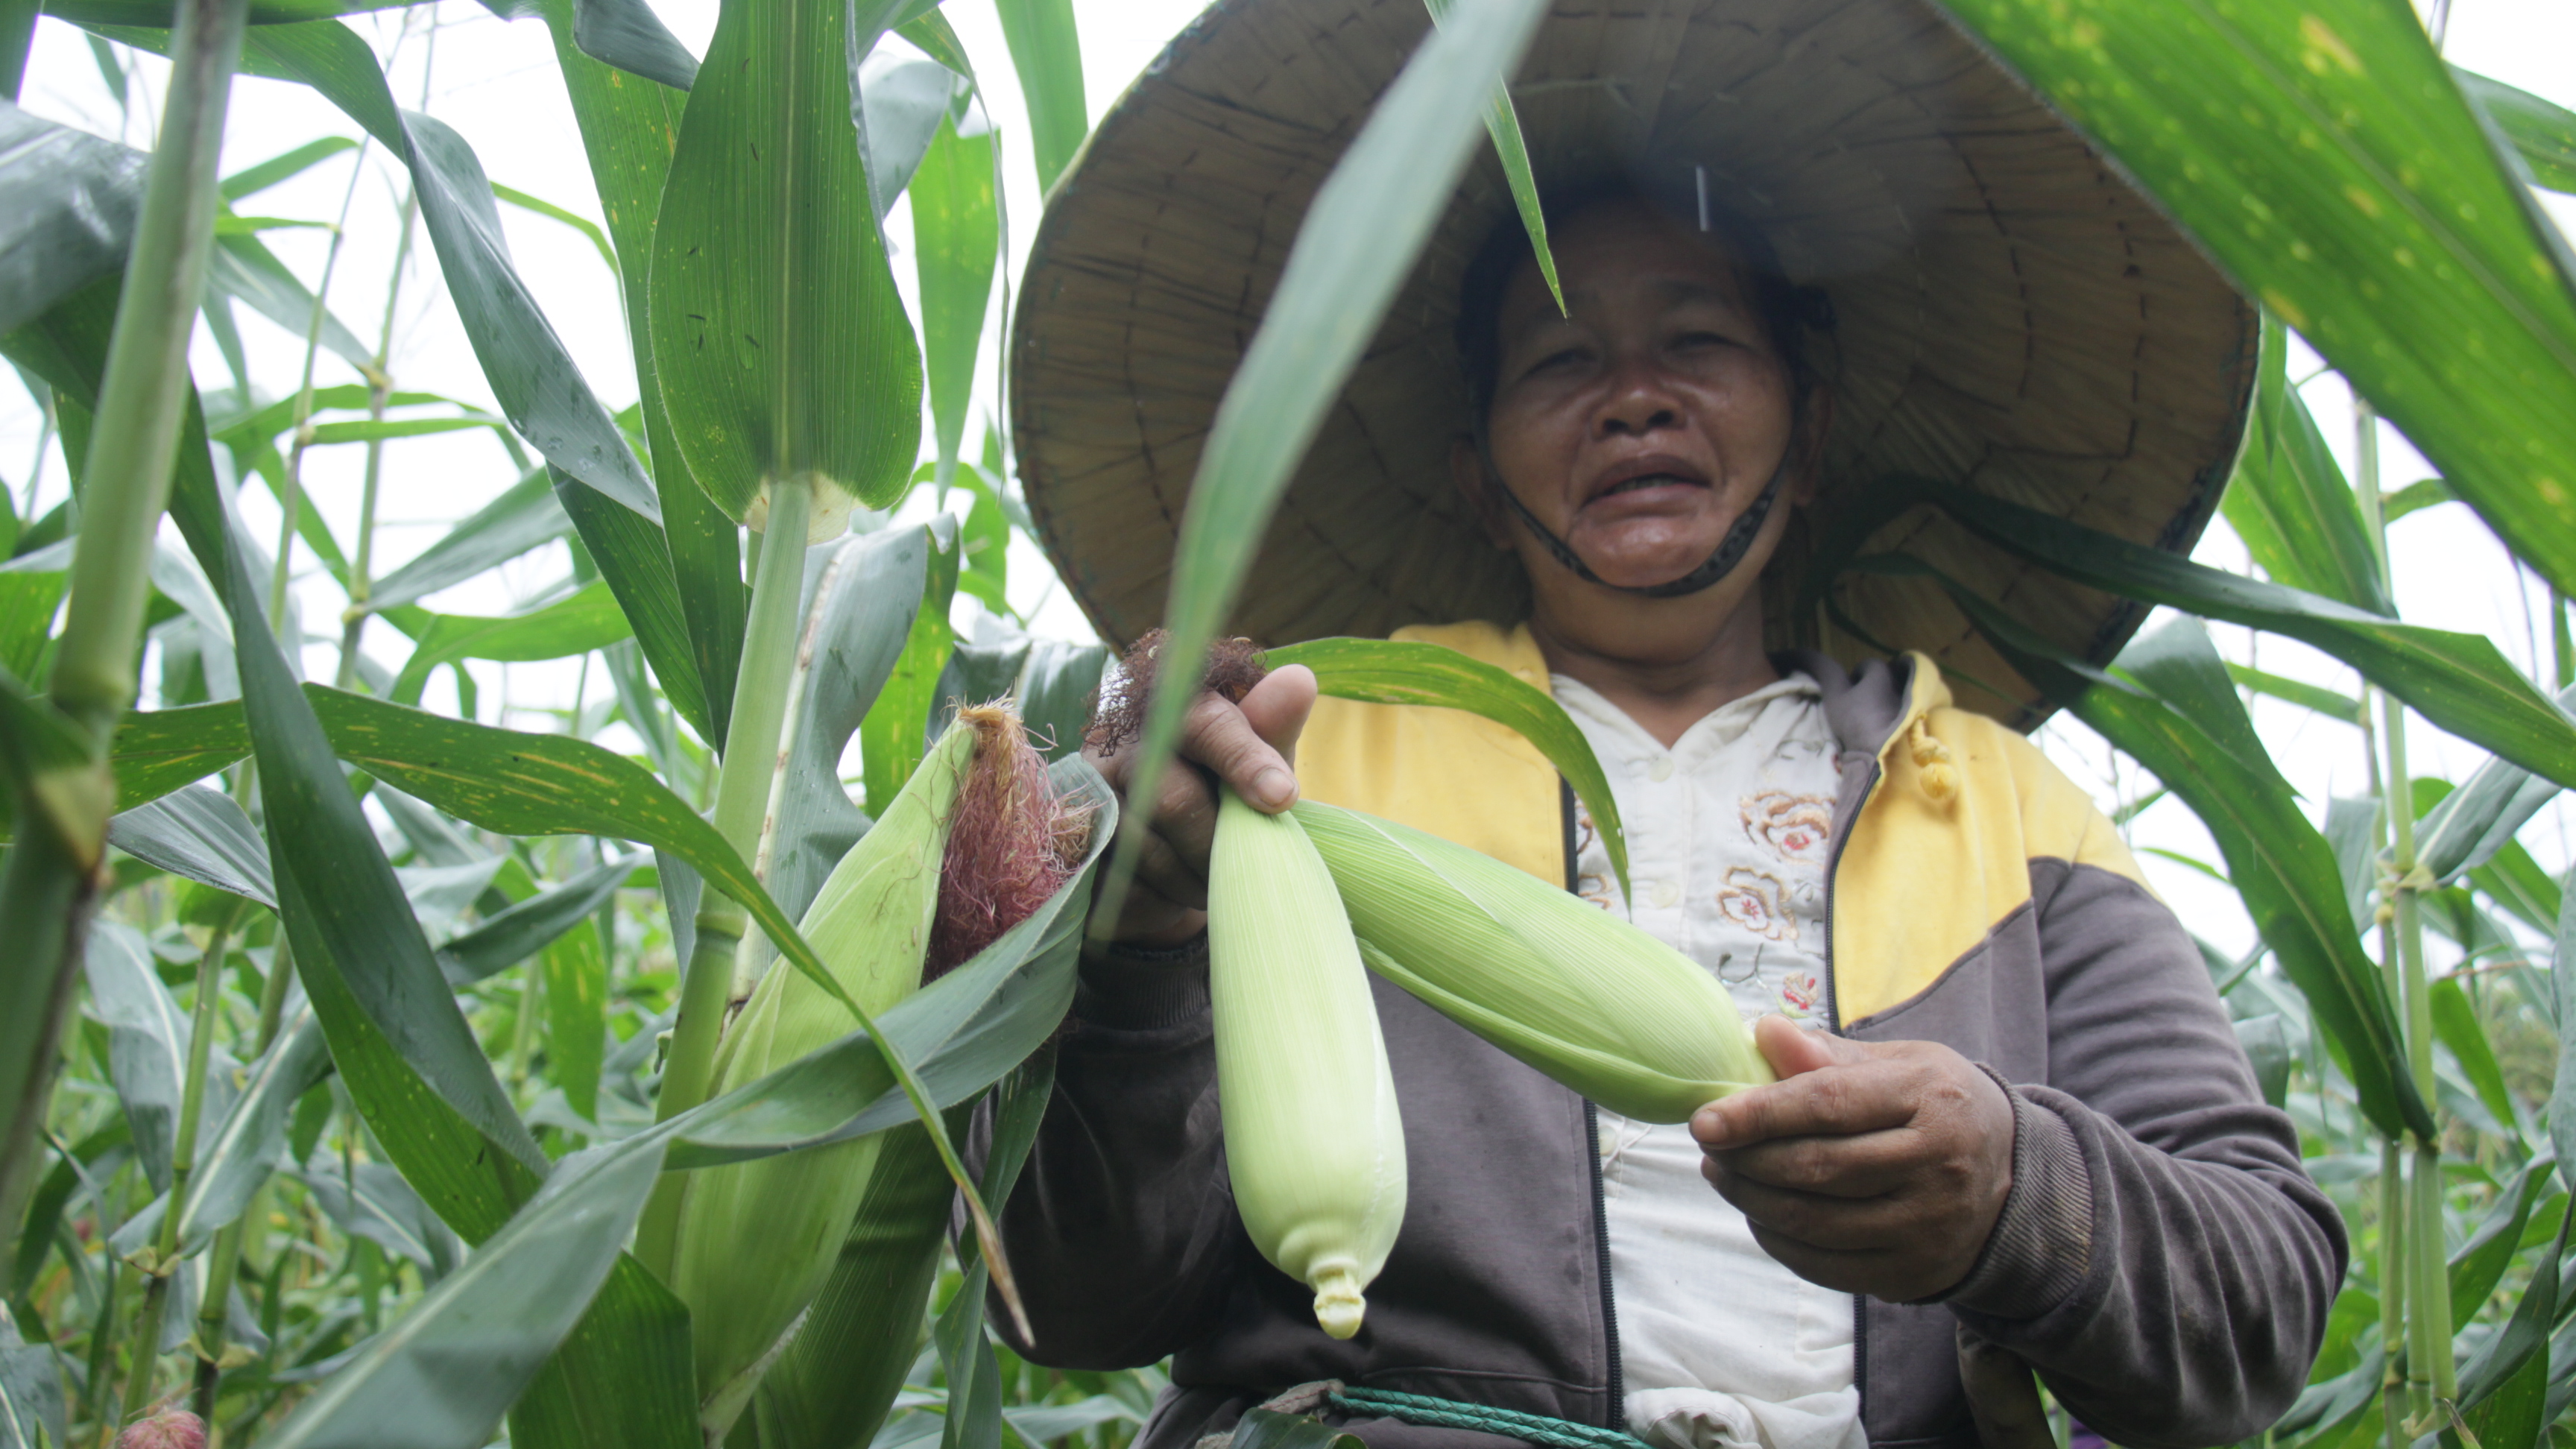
x,y
1642,423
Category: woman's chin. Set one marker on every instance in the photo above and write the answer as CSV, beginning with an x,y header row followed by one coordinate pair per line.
x,y
1643,563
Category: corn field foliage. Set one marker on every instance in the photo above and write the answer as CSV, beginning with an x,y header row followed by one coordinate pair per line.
x,y
355,1051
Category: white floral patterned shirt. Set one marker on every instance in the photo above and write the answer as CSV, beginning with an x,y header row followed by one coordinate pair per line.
x,y
1721,1346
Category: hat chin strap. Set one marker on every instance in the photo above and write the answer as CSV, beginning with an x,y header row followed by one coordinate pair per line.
x,y
1730,549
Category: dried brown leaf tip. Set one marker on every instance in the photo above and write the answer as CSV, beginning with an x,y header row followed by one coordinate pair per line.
x,y
1012,842
1233,667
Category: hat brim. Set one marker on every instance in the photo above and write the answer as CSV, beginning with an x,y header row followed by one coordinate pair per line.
x,y
2013,315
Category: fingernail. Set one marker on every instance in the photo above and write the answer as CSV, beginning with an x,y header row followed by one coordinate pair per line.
x,y
1274,788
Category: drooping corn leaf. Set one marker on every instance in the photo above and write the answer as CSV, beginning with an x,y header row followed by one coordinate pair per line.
x,y
904,102
2479,1264
1503,124
2289,501
2455,1025
635,560
956,228
202,835
1390,671
1059,691
575,971
974,1418
2473,822
531,373
68,201
2320,150
2562,1091
2460,682
1046,49
1355,247
588,620
147,1036
628,35
2415,497
2543,133
781,344
2504,1388
623,1377
243,268
628,128
2283,869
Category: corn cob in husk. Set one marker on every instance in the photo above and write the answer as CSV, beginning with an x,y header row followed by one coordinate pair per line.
x,y
758,1238
1572,990
1313,1143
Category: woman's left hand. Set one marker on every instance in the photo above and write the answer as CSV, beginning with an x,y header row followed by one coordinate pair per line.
x,y
1869,1167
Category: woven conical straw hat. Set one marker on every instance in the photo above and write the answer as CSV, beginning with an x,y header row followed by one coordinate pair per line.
x,y
2012,315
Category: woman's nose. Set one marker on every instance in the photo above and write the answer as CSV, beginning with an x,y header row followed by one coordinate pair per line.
x,y
1640,400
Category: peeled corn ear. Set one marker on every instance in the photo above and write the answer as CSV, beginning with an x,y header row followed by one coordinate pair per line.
x,y
758,1238
1313,1142
1572,990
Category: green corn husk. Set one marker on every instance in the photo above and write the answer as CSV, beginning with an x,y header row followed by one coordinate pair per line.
x,y
1572,990
1313,1142
757,1239
832,1387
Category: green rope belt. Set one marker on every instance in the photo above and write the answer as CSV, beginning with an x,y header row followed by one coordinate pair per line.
x,y
1483,1418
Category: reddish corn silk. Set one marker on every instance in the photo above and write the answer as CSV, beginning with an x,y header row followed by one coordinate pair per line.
x,y
168,1429
1011,843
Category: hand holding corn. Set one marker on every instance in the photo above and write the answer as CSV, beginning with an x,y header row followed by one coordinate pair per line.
x,y
1869,1167
1249,746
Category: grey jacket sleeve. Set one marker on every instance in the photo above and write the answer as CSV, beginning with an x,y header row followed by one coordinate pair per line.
x,y
1122,1229
2162,1259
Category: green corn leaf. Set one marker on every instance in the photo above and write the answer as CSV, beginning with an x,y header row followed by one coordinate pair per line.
x,y
2307,696
695,575
532,376
2504,1389
244,269
628,35
2322,153
782,346
1388,671
2480,1263
372,431
202,835
442,1377
2284,870
2460,682
2421,494
905,102
891,739
2472,823
2543,132
506,938
2562,1093
586,621
243,1151
2289,501
68,201
159,751
524,517
937,39
956,231
1503,123
1355,247
147,1037
575,970
974,1418
2455,1025
250,180
2513,880
860,613
1058,689
542,207
638,563
624,1377
90,14
1046,49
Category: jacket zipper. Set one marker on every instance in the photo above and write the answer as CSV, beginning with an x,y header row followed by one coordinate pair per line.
x,y
1616,1417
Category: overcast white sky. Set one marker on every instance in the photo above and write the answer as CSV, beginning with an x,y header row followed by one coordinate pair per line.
x,y
495,82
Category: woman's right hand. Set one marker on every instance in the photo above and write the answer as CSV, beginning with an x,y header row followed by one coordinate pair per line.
x,y
1251,746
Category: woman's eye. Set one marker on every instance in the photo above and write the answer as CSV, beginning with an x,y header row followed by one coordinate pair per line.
x,y
1696,340
1561,358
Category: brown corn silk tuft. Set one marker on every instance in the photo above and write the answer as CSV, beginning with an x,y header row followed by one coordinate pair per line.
x,y
1012,842
1233,667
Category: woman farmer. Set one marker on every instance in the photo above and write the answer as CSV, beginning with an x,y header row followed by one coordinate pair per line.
x,y
1804,247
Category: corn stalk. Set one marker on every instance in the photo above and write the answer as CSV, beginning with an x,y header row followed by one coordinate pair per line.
x,y
59,766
